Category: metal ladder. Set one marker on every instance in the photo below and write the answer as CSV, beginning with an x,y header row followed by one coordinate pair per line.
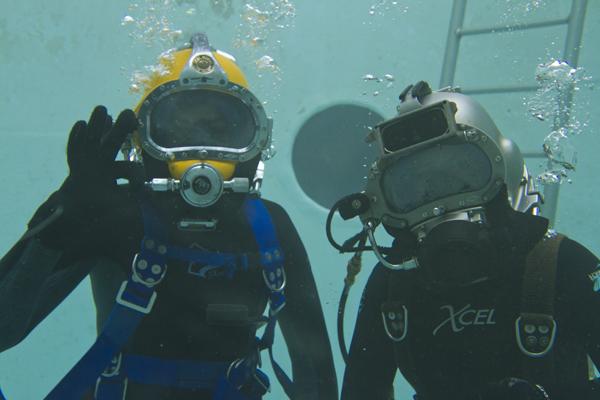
x,y
457,31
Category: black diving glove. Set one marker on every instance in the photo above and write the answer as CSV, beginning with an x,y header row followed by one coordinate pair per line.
x,y
87,203
514,389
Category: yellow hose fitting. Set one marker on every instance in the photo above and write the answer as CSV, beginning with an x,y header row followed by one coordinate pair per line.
x,y
354,266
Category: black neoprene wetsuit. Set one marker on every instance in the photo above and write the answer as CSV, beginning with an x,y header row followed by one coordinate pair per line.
x,y
35,278
461,340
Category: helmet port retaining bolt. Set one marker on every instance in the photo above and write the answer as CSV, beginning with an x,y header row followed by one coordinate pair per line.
x,y
471,135
437,211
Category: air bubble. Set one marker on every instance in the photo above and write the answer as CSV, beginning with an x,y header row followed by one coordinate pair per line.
x,y
266,62
269,153
553,103
128,19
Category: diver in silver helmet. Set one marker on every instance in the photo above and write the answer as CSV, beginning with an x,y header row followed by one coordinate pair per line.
x,y
475,297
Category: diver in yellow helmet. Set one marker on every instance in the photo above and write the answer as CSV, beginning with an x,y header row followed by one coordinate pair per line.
x,y
184,259
201,119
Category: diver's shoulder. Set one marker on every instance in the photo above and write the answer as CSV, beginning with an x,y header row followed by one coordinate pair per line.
x,y
276,210
577,270
575,257
284,226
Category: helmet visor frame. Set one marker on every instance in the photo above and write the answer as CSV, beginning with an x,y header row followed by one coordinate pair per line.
x,y
254,126
458,188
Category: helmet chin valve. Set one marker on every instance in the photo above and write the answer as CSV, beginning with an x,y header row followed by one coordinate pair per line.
x,y
201,185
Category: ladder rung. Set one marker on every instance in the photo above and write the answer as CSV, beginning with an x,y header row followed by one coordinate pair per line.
x,y
504,89
509,89
511,28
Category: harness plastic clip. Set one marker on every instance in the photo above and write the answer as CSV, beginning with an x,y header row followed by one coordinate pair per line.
x,y
144,309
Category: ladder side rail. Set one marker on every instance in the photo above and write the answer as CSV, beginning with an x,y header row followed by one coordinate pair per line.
x,y
453,43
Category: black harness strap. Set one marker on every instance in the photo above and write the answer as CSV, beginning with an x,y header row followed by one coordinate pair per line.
x,y
395,317
536,327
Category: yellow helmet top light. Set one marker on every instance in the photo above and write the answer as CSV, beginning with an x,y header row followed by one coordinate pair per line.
x,y
200,108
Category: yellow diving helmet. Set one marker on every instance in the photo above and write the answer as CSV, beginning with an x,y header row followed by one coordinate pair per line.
x,y
199,117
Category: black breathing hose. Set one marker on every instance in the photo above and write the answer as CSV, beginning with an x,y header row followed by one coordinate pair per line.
x,y
348,246
340,323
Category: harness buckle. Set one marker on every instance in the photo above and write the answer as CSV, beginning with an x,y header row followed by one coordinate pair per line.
x,y
244,373
109,383
235,364
536,334
145,274
114,367
113,389
275,279
395,320
144,309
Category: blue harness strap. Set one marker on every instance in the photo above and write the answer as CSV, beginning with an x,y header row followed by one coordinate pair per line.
x,y
274,276
105,367
134,300
182,374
